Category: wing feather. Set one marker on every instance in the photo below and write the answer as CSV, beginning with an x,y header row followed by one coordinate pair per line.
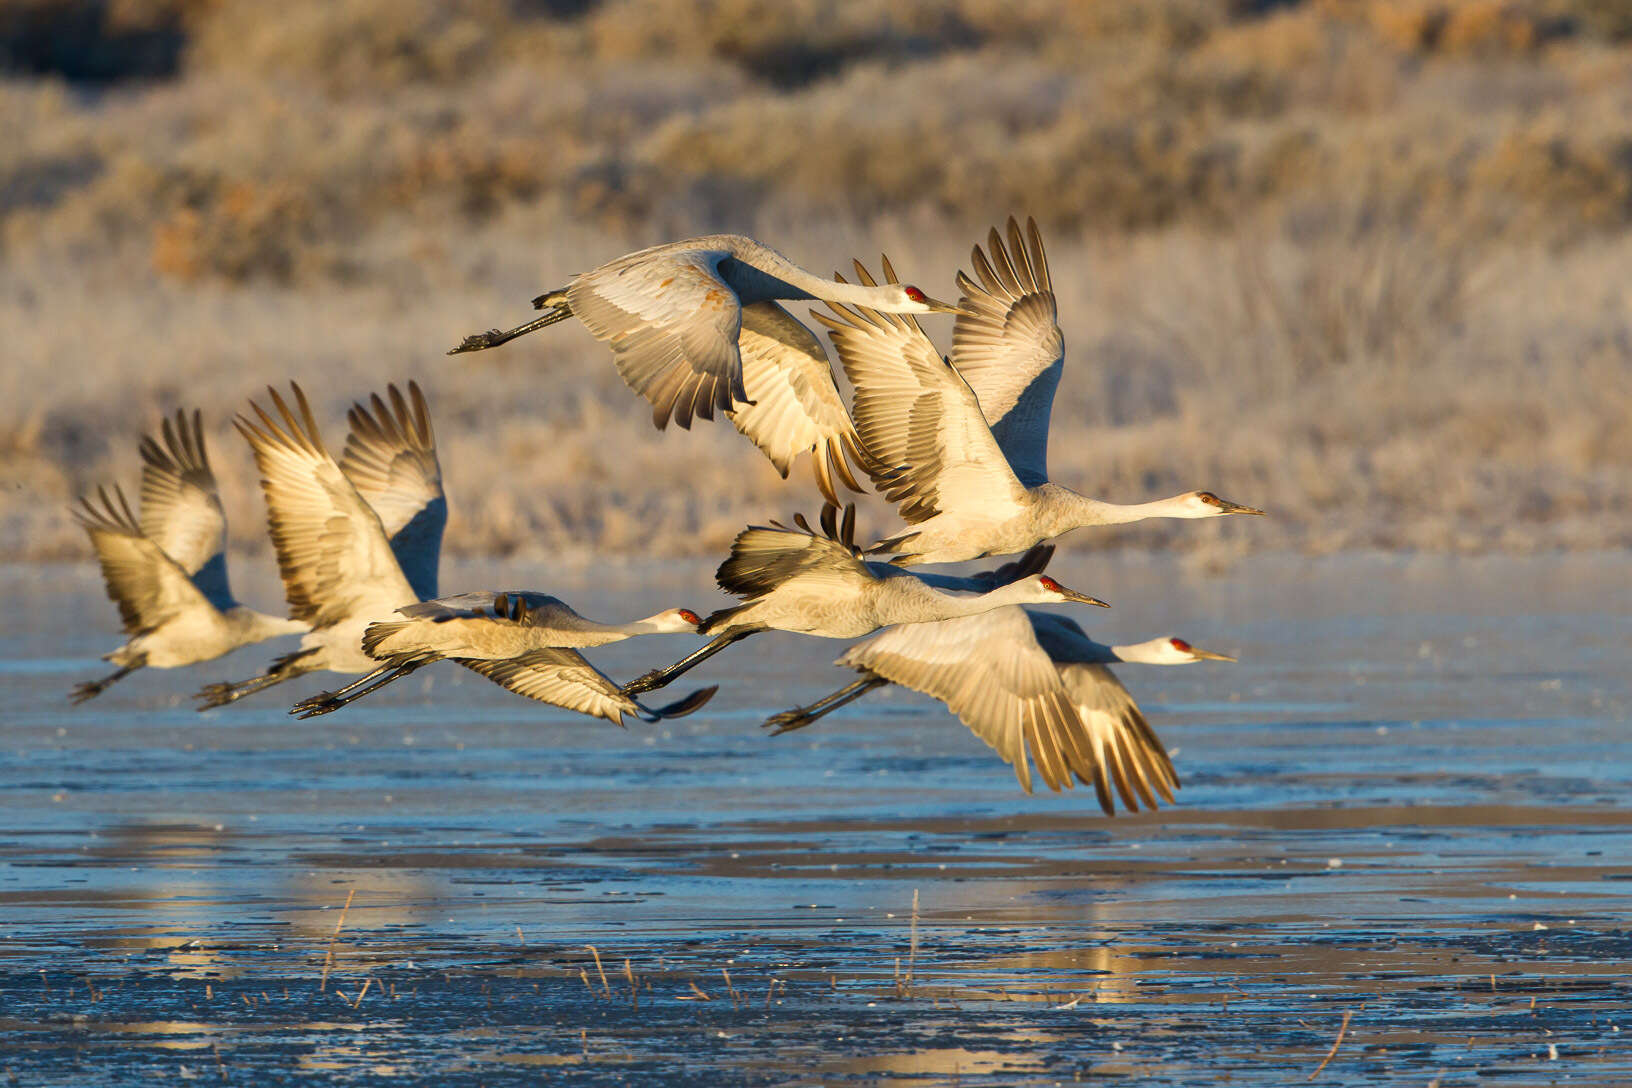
x,y
332,549
1008,345
561,678
181,505
1121,735
764,557
991,670
149,587
916,417
987,669
793,405
672,323
390,457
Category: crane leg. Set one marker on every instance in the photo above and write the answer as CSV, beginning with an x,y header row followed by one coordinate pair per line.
x,y
658,678
327,702
214,695
92,688
492,338
284,668
801,716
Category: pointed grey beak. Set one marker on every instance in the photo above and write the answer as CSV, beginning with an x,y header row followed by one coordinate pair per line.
x,y
1229,507
1208,655
1081,598
937,306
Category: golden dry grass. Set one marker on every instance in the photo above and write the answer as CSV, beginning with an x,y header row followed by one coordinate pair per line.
x,y
1358,261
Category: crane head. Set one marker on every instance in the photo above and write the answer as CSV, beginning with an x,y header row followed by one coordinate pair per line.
x,y
914,301
1053,591
1188,653
1205,504
1166,651
675,621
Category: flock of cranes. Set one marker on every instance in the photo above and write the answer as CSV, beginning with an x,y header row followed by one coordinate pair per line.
x,y
958,444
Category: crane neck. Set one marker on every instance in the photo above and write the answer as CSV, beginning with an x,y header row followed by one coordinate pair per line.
x,y
1077,511
259,625
661,623
929,604
760,274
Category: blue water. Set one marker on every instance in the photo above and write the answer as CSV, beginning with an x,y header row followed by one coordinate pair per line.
x,y
1406,803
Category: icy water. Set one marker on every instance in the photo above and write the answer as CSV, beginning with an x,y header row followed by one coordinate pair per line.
x,y
1405,812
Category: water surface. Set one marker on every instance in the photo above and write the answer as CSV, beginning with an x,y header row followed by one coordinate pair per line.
x,y
1405,807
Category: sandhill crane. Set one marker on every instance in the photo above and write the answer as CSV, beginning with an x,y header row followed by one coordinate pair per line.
x,y
1020,678
694,326
968,488
345,562
525,642
814,583
167,572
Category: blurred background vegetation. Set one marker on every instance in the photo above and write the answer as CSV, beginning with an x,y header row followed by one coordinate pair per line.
x,y
1362,262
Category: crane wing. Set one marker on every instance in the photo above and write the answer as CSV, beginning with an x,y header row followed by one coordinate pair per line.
x,y
561,678
502,622
1122,740
990,672
1008,345
522,607
765,557
181,507
672,324
793,406
390,457
1034,561
916,416
149,587
332,549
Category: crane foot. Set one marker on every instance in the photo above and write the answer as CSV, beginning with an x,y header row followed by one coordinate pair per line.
x,y
650,682
786,722
480,341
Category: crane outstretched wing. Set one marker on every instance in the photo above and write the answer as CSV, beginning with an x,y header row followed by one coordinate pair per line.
x,y
514,607
1008,346
1122,740
672,324
996,672
915,416
990,672
793,405
149,587
390,457
181,507
486,624
332,549
560,677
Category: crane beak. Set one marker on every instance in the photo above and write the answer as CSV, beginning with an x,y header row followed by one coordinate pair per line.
x,y
1081,598
1228,507
937,306
1208,655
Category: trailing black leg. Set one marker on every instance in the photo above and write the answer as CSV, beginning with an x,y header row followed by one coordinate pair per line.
x,y
92,688
658,678
327,702
801,716
284,668
492,338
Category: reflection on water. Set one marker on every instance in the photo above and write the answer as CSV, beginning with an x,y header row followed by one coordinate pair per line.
x,y
1406,805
